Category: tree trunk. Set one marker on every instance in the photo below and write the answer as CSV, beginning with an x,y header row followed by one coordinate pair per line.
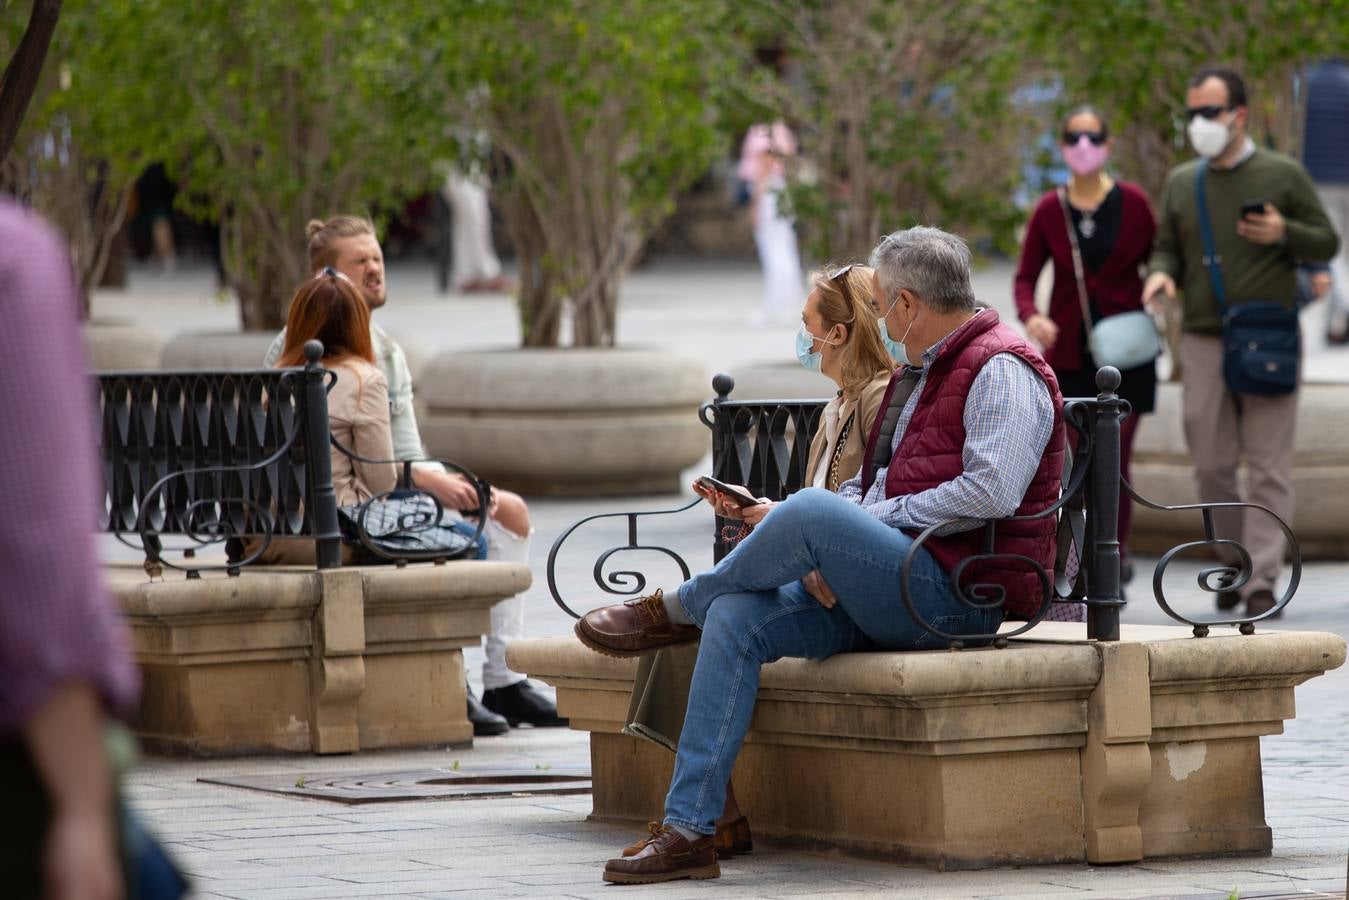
x,y
260,274
263,294
540,303
21,76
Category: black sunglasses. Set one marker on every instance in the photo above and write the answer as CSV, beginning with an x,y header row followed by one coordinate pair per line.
x,y
1212,111
1070,138
840,280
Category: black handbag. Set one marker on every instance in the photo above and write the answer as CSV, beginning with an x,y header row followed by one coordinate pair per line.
x,y
408,525
1262,341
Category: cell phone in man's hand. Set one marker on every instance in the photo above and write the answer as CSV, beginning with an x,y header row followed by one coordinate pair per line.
x,y
739,496
1252,208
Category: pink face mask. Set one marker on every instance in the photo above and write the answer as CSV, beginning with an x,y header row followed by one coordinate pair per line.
x,y
1084,157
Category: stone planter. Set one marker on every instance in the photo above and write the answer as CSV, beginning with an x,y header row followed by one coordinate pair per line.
x,y
115,345
217,350
1163,473
244,350
567,422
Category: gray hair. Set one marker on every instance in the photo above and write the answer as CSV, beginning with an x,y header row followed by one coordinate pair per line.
x,y
933,264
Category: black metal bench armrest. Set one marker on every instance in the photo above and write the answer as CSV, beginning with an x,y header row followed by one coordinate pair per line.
x,y
624,583
1222,577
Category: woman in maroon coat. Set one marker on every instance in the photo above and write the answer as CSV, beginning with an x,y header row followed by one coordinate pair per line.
x,y
1114,228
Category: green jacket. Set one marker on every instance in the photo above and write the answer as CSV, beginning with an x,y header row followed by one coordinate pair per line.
x,y
1251,272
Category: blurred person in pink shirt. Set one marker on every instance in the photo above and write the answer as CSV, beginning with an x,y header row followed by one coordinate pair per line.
x,y
65,663
762,167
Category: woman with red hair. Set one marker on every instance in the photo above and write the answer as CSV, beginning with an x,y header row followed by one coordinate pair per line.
x,y
329,308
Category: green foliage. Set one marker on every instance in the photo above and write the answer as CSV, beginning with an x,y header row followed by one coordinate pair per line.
x,y
903,111
602,111
268,112
598,113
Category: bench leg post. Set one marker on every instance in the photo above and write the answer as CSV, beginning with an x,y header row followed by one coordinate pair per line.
x,y
337,668
1116,761
1103,573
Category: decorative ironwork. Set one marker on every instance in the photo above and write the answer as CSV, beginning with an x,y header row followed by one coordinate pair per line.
x,y
761,444
625,582
206,455
1224,576
764,445
228,457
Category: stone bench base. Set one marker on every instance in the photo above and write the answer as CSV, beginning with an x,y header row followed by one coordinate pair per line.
x,y
302,660
1052,750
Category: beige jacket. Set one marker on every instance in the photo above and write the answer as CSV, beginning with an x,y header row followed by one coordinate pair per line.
x,y
856,415
358,417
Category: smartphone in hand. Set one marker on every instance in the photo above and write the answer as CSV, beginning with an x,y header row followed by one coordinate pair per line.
x,y
739,496
1252,208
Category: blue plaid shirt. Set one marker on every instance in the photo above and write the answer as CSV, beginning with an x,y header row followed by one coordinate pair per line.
x,y
1008,420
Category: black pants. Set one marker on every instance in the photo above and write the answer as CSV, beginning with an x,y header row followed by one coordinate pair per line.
x,y
25,819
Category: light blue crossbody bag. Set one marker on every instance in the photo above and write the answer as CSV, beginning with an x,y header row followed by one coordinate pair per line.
x,y
1124,340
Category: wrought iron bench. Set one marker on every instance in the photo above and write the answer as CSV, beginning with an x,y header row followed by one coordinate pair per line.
x,y
763,444
320,658
1048,744
221,457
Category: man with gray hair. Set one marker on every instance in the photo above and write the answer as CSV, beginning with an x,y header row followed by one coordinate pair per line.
x,y
979,436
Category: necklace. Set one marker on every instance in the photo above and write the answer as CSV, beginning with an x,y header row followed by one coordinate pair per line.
x,y
1088,224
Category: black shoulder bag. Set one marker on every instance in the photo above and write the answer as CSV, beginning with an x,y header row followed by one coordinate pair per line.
x,y
1262,341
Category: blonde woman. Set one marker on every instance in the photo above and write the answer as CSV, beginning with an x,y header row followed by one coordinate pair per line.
x,y
839,337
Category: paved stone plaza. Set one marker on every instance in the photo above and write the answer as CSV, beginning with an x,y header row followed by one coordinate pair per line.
x,y
241,843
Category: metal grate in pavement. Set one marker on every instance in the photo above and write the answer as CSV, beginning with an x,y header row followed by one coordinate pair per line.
x,y
427,784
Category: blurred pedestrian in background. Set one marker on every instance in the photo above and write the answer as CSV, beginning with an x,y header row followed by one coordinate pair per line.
x,y
64,658
1325,152
763,158
1233,226
1109,225
476,266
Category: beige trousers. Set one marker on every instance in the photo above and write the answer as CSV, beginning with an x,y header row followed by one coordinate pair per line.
x,y
1225,429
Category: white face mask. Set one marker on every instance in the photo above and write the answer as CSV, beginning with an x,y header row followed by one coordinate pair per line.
x,y
1209,137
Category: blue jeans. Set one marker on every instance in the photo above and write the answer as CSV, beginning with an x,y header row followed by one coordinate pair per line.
x,y
753,610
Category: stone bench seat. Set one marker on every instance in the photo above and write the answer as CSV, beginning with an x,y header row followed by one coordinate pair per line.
x,y
1054,749
304,660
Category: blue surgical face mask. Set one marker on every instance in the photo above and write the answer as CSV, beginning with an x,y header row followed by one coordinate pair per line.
x,y
895,347
804,341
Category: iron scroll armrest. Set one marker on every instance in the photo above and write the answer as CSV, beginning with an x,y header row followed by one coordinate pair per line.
x,y
624,583
1222,577
985,596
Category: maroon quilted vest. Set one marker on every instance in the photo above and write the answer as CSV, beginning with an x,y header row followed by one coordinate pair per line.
x,y
929,454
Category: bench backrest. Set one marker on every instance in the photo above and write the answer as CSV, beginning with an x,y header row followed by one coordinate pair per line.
x,y
218,455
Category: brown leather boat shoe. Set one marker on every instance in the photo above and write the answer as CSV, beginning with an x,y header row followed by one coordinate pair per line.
x,y
633,628
666,856
730,839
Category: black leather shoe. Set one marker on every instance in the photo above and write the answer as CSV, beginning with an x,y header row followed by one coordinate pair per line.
x,y
485,722
1260,602
522,702
1226,600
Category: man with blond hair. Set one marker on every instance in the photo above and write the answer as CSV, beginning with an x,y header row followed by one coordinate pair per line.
x,y
348,244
